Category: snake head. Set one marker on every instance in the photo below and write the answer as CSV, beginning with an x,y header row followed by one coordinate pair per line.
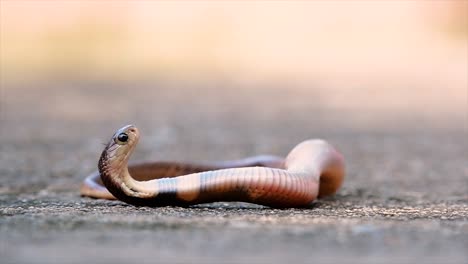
x,y
121,145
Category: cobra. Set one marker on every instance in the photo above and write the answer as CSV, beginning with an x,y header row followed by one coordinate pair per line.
x,y
313,169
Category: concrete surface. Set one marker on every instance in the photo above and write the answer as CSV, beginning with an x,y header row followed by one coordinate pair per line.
x,y
405,198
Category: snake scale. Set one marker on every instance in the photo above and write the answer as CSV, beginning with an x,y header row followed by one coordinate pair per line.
x,y
312,169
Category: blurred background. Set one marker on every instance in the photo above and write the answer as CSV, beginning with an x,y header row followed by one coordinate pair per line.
x,y
405,58
384,81
259,76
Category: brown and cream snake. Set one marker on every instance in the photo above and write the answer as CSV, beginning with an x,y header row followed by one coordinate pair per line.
x,y
312,169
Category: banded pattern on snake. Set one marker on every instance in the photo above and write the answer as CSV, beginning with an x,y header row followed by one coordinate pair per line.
x,y
312,169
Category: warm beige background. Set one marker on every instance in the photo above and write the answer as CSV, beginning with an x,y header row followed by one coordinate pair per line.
x,y
393,56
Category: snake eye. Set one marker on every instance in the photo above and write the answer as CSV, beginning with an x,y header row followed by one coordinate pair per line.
x,y
122,138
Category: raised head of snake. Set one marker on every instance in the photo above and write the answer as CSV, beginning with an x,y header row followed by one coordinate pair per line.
x,y
113,167
312,169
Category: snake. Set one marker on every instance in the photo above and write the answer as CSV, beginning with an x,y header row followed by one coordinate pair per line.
x,y
312,169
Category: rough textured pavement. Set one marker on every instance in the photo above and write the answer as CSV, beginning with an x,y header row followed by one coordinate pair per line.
x,y
405,197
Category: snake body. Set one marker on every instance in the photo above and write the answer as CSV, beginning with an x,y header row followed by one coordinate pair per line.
x,y
312,169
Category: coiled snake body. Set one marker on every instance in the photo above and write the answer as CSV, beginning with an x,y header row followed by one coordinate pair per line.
x,y
312,169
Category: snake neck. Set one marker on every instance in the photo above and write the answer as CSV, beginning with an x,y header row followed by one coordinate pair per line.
x,y
119,182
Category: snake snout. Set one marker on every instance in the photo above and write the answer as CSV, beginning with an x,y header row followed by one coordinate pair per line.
x,y
132,129
128,129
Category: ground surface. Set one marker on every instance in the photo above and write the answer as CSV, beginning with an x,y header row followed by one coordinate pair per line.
x,y
405,197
